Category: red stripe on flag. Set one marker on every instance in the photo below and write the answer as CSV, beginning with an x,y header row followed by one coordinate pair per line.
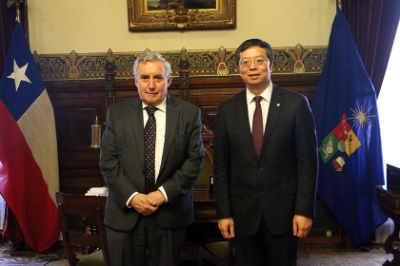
x,y
23,187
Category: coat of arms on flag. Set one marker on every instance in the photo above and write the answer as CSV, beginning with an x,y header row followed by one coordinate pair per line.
x,y
342,141
339,143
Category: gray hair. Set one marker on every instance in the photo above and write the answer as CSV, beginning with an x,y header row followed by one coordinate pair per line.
x,y
150,56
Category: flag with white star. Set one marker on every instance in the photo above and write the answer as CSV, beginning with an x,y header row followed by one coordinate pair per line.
x,y
346,117
28,147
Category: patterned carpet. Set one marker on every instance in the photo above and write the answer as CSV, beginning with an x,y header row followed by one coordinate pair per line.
x,y
11,257
307,257
343,257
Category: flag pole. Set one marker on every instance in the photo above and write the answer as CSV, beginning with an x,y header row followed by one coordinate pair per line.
x,y
339,4
17,8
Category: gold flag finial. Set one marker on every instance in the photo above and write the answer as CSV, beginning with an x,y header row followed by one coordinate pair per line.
x,y
17,4
339,4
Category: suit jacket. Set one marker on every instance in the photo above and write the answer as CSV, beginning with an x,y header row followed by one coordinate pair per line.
x,y
278,183
122,162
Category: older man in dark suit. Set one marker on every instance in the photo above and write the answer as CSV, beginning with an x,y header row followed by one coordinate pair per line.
x,y
151,156
265,164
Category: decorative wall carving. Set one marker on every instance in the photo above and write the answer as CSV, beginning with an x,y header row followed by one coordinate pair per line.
x,y
219,62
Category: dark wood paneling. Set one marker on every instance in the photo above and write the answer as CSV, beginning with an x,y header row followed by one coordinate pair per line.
x,y
76,104
208,93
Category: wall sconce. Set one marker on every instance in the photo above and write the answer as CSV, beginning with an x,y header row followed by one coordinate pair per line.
x,y
96,134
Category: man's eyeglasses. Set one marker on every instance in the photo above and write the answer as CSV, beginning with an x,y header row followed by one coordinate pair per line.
x,y
257,61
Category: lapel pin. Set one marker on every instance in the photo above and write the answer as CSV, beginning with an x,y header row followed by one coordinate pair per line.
x,y
278,104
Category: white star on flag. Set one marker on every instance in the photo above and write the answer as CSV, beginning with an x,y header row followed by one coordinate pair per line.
x,y
19,75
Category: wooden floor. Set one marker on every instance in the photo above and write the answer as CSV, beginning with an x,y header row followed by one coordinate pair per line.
x,y
309,256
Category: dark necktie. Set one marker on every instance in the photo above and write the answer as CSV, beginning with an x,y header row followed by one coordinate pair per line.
x,y
257,126
150,150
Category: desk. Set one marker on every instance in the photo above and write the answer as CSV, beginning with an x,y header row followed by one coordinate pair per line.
x,y
390,204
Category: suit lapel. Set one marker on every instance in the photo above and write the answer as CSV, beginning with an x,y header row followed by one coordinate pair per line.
x,y
171,122
138,131
275,105
243,121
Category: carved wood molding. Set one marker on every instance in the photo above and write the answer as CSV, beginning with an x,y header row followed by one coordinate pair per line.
x,y
220,62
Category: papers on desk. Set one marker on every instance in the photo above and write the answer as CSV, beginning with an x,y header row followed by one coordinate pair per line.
x,y
97,191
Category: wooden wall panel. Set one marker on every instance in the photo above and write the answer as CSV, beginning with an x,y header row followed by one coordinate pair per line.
x,y
76,104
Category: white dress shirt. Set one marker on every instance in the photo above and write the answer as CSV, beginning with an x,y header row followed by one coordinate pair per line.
x,y
161,117
265,102
160,114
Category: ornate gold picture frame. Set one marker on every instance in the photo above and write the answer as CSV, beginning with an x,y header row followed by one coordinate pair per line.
x,y
157,15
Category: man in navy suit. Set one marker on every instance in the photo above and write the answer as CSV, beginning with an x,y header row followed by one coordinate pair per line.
x,y
150,170
265,164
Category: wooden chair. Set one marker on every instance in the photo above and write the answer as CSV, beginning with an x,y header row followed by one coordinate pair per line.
x,y
218,252
203,182
204,203
82,227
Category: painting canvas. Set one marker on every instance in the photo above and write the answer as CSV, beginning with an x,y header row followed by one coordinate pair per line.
x,y
189,4
155,15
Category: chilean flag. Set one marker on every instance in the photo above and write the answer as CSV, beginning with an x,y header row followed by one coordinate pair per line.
x,y
28,147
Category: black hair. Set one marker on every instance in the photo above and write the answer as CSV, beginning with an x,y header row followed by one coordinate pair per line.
x,y
255,42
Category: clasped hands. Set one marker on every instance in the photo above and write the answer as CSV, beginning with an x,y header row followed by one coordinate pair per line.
x,y
146,204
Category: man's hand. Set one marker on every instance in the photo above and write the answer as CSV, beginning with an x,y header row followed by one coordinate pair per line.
x,y
301,225
143,204
227,228
156,198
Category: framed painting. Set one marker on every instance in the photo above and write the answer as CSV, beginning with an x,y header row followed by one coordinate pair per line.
x,y
158,15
